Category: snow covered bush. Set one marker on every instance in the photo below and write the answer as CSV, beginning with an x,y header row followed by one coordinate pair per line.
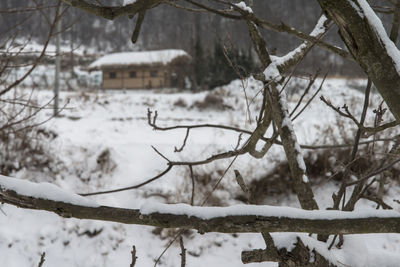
x,y
212,101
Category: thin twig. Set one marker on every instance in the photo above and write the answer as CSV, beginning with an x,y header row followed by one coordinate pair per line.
x,y
129,187
184,141
42,259
231,128
311,99
183,252
180,232
238,142
378,201
193,184
346,112
133,252
310,83
219,181
376,172
243,186
161,155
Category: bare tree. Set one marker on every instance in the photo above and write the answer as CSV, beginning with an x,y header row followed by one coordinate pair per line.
x,y
367,44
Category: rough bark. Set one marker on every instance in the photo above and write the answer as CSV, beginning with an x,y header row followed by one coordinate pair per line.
x,y
300,183
222,224
367,49
279,113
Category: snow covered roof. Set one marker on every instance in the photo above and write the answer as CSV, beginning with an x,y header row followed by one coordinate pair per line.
x,y
163,57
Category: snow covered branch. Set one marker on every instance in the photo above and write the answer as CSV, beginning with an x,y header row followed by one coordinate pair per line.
x,y
233,219
280,115
365,37
112,12
294,57
282,27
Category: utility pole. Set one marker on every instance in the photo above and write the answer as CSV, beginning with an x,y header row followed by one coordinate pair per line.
x,y
58,64
72,51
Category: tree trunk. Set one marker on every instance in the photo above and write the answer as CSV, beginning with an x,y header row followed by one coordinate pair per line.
x,y
361,31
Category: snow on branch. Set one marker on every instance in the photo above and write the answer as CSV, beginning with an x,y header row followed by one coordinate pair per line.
x,y
366,39
208,213
233,219
293,57
377,26
45,191
277,101
128,2
242,5
292,149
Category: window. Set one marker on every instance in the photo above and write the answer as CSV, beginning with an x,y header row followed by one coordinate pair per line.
x,y
112,75
132,74
153,73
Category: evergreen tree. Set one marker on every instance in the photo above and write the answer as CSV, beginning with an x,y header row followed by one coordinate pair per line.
x,y
226,65
199,65
219,66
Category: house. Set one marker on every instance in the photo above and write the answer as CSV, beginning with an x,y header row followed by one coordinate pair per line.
x,y
146,69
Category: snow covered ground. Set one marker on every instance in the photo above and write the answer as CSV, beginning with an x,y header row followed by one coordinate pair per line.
x,y
116,121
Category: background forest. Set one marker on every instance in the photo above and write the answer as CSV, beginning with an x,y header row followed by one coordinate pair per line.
x,y
200,34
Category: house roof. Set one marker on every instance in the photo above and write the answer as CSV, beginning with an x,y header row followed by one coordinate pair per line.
x,y
163,57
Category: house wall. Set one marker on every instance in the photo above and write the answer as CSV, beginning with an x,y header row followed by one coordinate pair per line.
x,y
144,78
112,83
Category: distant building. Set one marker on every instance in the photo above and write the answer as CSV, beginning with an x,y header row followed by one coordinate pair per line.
x,y
141,70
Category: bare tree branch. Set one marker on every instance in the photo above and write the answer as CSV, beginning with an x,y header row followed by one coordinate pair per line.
x,y
255,219
42,259
183,252
133,253
130,187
